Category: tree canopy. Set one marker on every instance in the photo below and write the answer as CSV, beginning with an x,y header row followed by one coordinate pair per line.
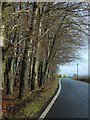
x,y
36,37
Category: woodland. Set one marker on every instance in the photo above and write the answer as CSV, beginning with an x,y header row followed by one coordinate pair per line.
x,y
37,37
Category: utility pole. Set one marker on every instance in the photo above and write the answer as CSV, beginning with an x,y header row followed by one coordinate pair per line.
x,y
77,71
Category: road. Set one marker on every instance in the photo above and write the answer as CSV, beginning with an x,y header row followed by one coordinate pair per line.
x,y
72,101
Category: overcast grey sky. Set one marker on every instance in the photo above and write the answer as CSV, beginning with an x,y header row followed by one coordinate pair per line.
x,y
71,68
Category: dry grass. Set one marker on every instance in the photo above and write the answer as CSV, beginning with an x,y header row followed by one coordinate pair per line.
x,y
36,101
83,78
40,99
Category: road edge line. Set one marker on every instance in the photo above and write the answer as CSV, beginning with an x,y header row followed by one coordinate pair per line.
x,y
42,116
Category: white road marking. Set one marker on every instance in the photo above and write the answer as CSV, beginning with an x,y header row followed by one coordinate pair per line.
x,y
42,116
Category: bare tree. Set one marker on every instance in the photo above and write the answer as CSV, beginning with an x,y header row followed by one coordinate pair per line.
x,y
41,36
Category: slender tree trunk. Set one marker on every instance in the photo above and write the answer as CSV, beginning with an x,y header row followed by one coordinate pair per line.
x,y
40,74
22,73
33,75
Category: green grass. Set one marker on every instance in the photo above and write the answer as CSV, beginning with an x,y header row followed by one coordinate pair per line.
x,y
29,109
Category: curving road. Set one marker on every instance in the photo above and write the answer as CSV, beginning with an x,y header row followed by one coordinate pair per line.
x,y
72,101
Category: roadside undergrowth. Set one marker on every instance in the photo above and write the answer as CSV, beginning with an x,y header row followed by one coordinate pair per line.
x,y
39,98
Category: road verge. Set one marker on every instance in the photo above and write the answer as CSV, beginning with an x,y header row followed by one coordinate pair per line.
x,y
45,112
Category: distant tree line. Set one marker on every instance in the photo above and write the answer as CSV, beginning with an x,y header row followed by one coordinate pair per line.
x,y
36,37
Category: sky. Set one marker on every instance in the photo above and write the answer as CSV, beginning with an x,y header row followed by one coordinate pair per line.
x,y
71,68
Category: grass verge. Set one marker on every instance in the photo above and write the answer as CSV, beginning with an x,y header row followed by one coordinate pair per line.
x,y
39,98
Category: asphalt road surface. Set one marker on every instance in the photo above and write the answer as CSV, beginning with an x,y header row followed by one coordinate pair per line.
x,y
72,101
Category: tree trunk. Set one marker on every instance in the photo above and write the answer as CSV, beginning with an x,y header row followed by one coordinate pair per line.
x,y
22,73
33,75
